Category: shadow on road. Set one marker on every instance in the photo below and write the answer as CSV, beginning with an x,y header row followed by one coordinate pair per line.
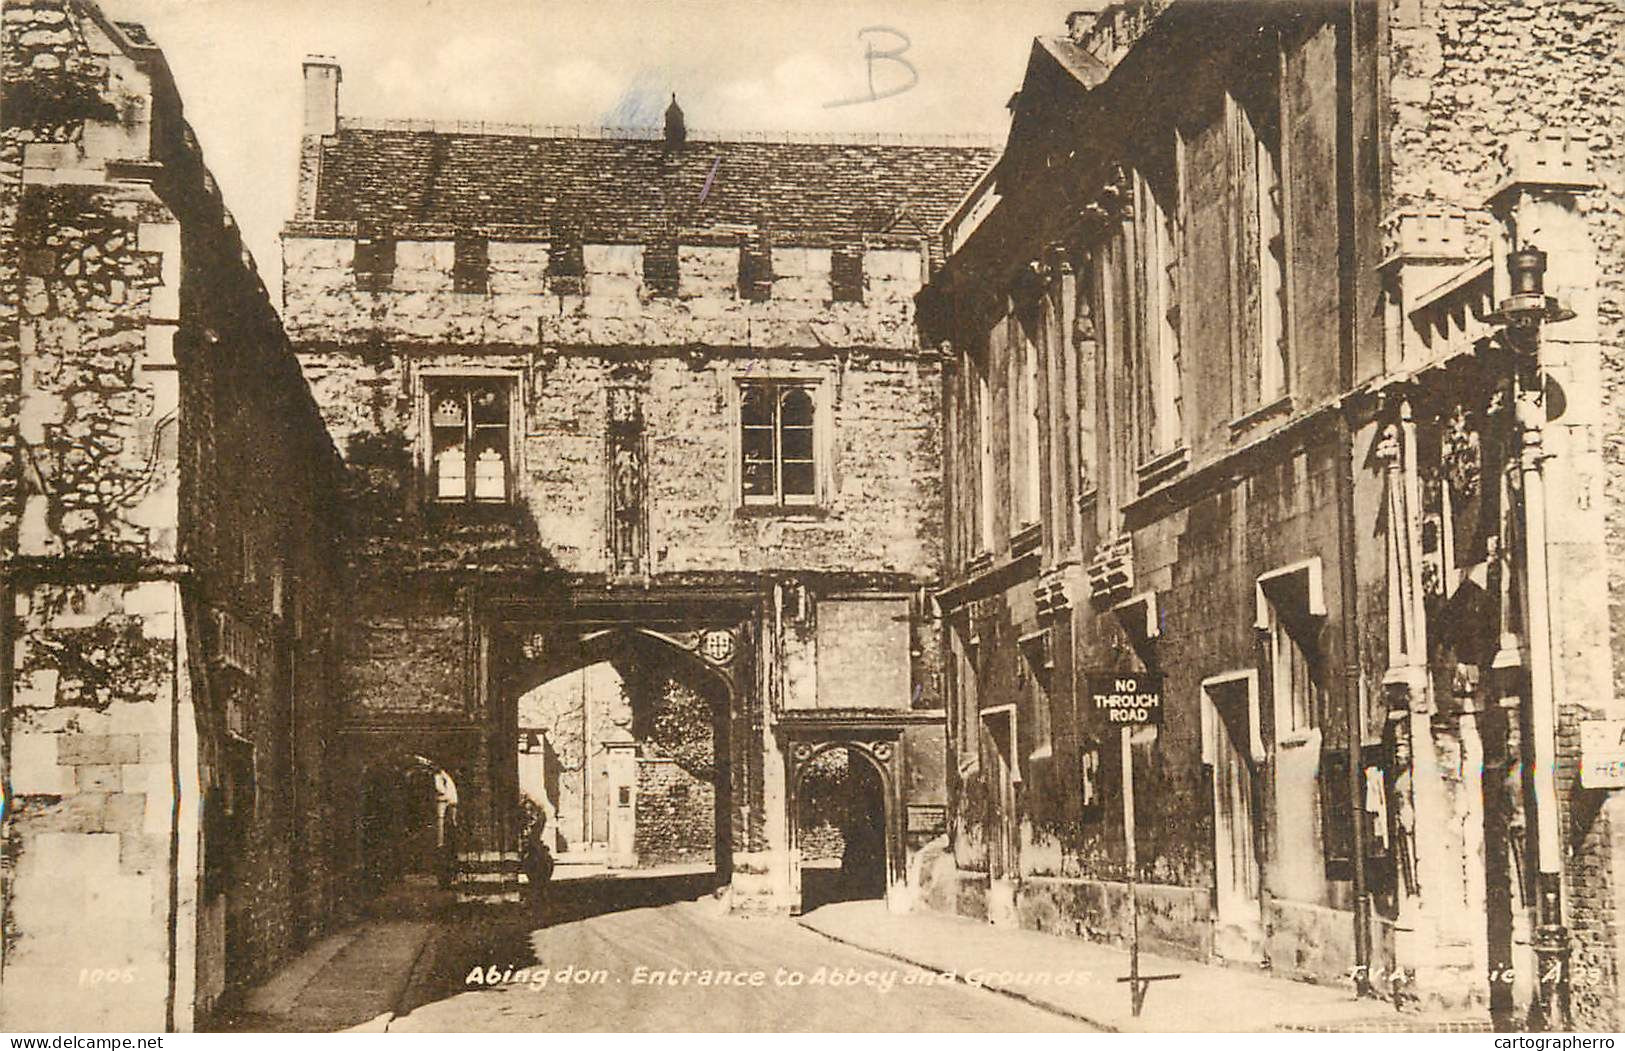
x,y
826,885
579,899
501,937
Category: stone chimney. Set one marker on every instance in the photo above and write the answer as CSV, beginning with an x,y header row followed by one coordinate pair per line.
x,y
1081,21
676,130
322,76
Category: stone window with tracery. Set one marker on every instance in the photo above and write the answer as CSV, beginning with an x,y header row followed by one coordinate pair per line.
x,y
469,440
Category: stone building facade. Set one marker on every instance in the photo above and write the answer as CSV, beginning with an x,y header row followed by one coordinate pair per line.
x,y
1228,409
166,493
649,400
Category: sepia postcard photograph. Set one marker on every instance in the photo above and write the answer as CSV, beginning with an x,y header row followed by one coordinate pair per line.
x,y
741,516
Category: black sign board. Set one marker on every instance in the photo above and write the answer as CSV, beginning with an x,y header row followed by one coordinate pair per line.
x,y
930,819
1127,698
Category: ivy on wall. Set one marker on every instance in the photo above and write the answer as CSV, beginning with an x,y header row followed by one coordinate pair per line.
x,y
110,661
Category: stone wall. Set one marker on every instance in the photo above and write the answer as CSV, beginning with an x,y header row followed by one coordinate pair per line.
x,y
164,503
1202,563
90,765
531,296
579,713
674,726
676,814
1467,78
364,343
883,488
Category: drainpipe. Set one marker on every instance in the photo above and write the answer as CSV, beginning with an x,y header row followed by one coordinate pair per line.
x,y
1551,937
8,652
1347,535
1522,314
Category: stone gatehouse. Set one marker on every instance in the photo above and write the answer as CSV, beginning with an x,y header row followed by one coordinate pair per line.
x,y
645,487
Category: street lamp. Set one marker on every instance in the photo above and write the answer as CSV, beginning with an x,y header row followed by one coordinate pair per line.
x,y
1522,314
1528,306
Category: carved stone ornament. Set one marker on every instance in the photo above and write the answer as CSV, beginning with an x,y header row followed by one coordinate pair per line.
x,y
628,483
718,646
624,407
1387,448
1461,458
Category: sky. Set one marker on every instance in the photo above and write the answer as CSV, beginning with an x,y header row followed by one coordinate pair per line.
x,y
757,65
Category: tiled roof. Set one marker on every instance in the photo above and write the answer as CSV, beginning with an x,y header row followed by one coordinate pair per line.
x,y
639,190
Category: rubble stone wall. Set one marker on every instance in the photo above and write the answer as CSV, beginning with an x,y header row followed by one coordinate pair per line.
x,y
881,470
676,814
531,298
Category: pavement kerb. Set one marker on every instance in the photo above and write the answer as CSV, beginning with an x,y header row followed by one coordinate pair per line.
x,y
422,962
1383,1023
1042,1005
276,995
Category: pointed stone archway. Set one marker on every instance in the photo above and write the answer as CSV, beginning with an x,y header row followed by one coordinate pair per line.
x,y
710,648
877,748
408,817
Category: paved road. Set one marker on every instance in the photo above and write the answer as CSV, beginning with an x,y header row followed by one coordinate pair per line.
x,y
673,962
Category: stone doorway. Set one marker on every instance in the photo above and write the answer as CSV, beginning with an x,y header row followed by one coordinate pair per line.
x,y
410,821
841,828
845,843
1233,753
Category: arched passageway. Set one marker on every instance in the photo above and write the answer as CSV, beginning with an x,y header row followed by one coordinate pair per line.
x,y
623,756
840,827
410,818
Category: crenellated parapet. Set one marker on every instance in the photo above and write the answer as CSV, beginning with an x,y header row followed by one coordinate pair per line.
x,y
520,285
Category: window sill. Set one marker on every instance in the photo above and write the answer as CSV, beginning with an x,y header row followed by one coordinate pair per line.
x,y
449,510
982,560
787,512
1163,468
1026,539
1279,409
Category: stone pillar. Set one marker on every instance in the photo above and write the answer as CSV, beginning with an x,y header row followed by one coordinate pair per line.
x,y
760,876
1538,204
1426,885
1512,965
1470,811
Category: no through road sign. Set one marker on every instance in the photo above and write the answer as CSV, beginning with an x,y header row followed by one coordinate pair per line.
x,y
1127,698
